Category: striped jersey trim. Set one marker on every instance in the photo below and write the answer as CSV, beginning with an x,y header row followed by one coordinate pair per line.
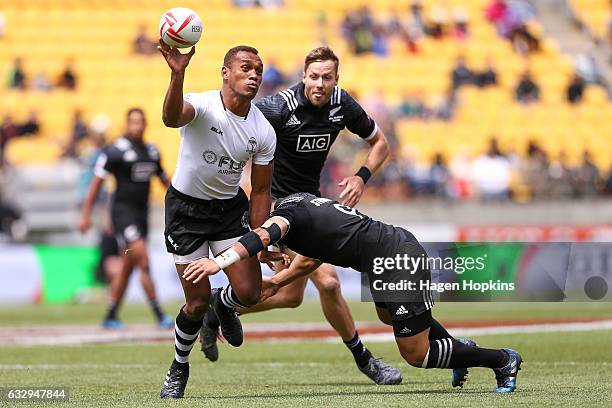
x,y
290,98
336,96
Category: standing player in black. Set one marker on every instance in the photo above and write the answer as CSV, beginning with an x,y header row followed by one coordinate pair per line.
x,y
322,230
132,162
307,119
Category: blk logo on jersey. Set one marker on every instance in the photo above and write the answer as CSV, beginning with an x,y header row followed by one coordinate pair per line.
x,y
313,143
217,131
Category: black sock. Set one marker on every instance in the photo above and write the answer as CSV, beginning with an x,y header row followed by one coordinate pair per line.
x,y
111,314
156,309
229,298
450,353
437,331
185,334
360,352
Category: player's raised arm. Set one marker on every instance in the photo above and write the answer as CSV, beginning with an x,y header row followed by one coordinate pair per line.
x,y
176,112
247,246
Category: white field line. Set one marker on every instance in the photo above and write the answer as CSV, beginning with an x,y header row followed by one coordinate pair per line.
x,y
153,335
129,366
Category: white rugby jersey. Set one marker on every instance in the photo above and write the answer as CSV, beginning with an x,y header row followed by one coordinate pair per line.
x,y
217,144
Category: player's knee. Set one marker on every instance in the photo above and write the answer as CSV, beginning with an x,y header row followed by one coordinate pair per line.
x,y
195,308
413,357
329,286
293,300
248,296
144,269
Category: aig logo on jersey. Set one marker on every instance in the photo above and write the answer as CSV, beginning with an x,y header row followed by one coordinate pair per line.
x,y
313,143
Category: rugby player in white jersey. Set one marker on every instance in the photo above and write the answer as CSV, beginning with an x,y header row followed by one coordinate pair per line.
x,y
206,210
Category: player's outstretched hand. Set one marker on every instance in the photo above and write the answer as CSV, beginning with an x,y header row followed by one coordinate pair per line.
x,y
353,187
198,270
176,61
269,257
268,288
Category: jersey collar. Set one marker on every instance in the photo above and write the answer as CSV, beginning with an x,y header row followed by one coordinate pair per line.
x,y
232,114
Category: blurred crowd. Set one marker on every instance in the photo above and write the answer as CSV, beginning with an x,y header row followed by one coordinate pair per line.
x,y
367,33
494,176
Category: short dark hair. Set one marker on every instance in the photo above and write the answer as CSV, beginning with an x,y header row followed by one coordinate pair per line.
x,y
227,60
136,110
321,54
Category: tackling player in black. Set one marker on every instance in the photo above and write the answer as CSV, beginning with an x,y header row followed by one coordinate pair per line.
x,y
307,119
133,163
322,230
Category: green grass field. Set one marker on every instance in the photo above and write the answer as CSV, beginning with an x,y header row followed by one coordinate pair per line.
x,y
560,369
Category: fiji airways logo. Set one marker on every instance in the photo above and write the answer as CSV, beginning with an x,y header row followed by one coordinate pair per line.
x,y
313,143
333,117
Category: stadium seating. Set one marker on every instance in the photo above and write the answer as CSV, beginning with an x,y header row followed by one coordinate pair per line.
x,y
98,36
595,13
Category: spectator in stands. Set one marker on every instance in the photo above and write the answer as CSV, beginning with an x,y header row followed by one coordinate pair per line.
x,y
437,27
380,45
460,23
561,181
416,24
587,68
440,176
608,184
272,79
587,177
144,45
491,174
461,74
41,82
394,178
510,20
487,77
2,24
31,126
412,106
89,161
68,78
527,91
8,131
534,170
17,76
79,132
444,105
575,89
609,37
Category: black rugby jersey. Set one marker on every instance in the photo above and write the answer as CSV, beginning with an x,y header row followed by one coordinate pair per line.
x,y
331,232
304,134
133,165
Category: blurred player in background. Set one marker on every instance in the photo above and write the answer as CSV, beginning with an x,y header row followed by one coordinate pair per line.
x,y
323,230
133,163
307,119
206,210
